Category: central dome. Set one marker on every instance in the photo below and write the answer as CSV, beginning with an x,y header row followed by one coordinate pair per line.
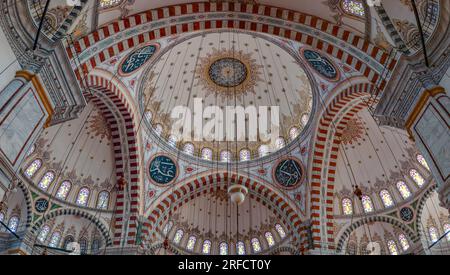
x,y
209,73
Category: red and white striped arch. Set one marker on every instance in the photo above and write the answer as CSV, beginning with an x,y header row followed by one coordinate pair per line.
x,y
195,186
333,121
127,155
229,20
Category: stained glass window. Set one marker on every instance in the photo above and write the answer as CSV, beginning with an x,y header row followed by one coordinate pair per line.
x,y
158,129
95,247
106,4
67,240
178,236
434,236
367,204
189,148
353,7
172,140
256,245
44,233
148,115
403,242
293,133
225,156
83,246
83,196
207,154
280,143
46,180
305,119
63,190
206,249
386,198
347,206
392,246
223,248
280,231
103,200
240,248
167,227
54,240
423,162
33,168
13,223
2,217
403,189
31,151
269,239
263,150
191,243
447,230
244,155
417,177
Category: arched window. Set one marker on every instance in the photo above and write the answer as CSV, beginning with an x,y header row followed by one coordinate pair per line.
x,y
95,247
347,206
367,204
386,198
263,150
167,227
63,190
31,151
403,242
191,243
178,236
33,168
158,129
403,189
434,236
223,248
103,200
13,223
206,248
280,230
67,240
293,133
244,155
353,7
83,196
305,119
189,148
107,4
148,116
83,246
46,180
240,248
225,156
55,239
256,246
447,231
392,246
423,162
172,140
44,233
207,154
417,177
2,217
269,239
280,143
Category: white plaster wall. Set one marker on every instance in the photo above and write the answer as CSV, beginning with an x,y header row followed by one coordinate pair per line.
x,y
8,62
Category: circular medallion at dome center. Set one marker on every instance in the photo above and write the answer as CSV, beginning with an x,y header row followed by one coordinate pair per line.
x,y
228,72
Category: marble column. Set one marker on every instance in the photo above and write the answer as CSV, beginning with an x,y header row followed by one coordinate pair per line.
x,y
428,125
25,110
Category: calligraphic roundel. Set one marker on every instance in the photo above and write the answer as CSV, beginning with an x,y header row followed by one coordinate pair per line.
x,y
162,170
288,173
138,58
321,64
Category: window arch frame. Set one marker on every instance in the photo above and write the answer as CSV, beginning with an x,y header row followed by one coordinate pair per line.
x,y
48,173
407,188
57,243
30,176
385,203
208,245
86,204
256,245
370,201
67,192
350,201
108,195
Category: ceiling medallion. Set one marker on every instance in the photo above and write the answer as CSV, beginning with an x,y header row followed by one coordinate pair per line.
x,y
228,72
288,173
321,64
162,170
